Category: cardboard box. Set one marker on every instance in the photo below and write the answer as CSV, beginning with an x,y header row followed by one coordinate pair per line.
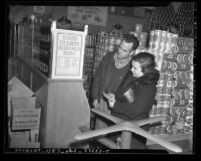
x,y
24,139
25,113
17,89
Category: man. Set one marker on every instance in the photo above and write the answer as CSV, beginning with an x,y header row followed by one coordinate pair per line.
x,y
110,73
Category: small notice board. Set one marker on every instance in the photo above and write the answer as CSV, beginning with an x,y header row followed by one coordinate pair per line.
x,y
68,53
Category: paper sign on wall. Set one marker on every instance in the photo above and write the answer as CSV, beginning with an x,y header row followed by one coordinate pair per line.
x,y
88,15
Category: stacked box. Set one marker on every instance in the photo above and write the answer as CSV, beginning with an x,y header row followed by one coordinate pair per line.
x,y
23,116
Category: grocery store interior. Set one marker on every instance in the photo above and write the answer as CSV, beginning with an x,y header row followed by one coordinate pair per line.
x,y
48,105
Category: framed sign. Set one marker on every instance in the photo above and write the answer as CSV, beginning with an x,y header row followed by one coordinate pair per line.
x,y
68,53
88,15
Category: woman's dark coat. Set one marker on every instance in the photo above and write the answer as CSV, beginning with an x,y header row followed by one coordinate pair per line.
x,y
144,89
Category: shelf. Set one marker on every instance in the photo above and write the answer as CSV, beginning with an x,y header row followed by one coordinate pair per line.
x,y
30,64
172,138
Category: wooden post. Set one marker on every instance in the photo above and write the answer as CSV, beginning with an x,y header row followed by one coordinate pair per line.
x,y
126,140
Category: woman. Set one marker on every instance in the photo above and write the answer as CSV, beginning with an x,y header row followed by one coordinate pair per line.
x,y
135,96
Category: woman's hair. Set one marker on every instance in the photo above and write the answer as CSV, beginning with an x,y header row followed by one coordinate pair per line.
x,y
146,60
131,39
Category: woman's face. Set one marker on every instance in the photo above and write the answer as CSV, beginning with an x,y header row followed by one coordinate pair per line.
x,y
136,69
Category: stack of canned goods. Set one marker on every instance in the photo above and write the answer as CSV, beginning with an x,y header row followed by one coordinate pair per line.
x,y
173,95
141,36
106,42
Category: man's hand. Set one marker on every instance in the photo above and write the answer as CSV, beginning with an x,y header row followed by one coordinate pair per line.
x,y
95,103
111,98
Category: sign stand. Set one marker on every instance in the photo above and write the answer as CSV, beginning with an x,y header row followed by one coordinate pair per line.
x,y
64,101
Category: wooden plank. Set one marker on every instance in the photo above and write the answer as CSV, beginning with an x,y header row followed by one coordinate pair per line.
x,y
105,141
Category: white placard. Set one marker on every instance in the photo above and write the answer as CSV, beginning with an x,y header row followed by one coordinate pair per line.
x,y
26,119
88,15
68,53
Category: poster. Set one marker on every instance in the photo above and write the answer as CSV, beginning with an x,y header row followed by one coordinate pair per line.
x,y
88,15
68,54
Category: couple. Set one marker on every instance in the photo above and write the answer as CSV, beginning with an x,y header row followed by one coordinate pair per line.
x,y
127,83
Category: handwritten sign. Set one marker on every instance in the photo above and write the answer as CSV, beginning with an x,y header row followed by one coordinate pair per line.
x,y
88,15
26,119
68,54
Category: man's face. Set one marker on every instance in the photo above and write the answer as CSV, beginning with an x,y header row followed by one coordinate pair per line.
x,y
124,50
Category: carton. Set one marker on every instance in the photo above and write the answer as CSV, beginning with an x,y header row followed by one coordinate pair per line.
x,y
24,113
17,89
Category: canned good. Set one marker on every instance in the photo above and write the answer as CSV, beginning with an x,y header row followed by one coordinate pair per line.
x,y
131,32
174,49
165,110
163,130
157,36
169,84
138,28
174,39
167,121
180,111
169,65
142,44
181,94
158,111
168,42
169,129
179,58
175,93
106,48
111,48
112,40
160,89
106,40
173,111
157,130
174,66
179,102
162,46
151,36
153,112
182,76
151,39
151,130
164,65
190,59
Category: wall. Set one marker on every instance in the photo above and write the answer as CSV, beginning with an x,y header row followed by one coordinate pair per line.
x,y
128,22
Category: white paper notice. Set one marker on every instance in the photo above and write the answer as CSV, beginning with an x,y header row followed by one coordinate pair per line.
x,y
68,58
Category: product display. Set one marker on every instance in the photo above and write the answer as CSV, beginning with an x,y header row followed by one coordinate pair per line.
x,y
173,96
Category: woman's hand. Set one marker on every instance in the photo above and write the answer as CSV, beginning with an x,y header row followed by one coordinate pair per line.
x,y
111,98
